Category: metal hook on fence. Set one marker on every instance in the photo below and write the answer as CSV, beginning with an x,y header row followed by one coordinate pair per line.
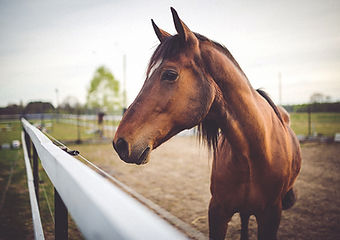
x,y
71,152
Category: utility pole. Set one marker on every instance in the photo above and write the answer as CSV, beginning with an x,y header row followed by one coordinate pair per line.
x,y
57,107
124,84
78,125
280,90
57,97
310,120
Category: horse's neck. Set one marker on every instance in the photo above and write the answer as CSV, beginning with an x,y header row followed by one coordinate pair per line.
x,y
236,107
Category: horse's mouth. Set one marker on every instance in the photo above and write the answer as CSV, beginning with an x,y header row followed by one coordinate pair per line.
x,y
144,157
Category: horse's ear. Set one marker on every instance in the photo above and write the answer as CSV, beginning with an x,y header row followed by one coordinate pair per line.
x,y
183,31
161,34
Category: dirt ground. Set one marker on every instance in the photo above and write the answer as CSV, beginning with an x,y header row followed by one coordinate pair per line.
x,y
178,176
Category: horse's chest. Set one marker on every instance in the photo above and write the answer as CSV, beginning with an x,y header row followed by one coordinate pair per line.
x,y
230,183
240,187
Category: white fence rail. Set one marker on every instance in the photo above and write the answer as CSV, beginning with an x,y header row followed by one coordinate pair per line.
x,y
37,226
100,209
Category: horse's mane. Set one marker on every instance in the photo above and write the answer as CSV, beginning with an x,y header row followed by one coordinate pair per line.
x,y
171,47
271,103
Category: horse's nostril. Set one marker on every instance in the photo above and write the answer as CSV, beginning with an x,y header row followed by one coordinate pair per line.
x,y
122,148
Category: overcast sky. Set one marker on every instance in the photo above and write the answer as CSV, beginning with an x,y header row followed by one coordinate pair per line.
x,y
49,45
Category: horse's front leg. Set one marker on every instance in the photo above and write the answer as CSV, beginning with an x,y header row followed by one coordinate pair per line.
x,y
218,220
268,222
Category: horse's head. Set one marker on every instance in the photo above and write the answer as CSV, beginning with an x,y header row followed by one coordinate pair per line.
x,y
176,95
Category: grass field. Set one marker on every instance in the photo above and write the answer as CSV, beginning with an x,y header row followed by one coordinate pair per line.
x,y
67,132
326,124
321,123
15,215
15,210
9,131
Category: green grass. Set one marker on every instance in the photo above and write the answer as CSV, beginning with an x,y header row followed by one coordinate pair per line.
x,y
69,132
15,213
9,131
321,123
46,191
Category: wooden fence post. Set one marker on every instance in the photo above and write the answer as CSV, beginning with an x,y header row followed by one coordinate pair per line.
x,y
36,172
60,218
78,127
28,144
309,121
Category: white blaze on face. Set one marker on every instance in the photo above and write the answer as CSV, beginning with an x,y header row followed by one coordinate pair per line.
x,y
155,67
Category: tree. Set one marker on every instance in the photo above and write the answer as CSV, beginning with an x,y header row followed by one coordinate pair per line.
x,y
39,107
104,93
317,98
70,104
12,109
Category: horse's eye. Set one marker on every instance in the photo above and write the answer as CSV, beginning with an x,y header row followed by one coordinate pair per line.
x,y
169,75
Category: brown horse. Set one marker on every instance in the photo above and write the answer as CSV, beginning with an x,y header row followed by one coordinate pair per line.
x,y
192,81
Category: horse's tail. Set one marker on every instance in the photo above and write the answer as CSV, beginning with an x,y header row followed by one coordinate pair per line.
x,y
289,199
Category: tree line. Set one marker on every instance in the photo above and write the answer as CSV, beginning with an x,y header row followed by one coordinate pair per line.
x,y
314,107
47,107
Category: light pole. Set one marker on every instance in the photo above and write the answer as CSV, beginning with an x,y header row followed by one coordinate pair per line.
x,y
280,90
124,82
56,92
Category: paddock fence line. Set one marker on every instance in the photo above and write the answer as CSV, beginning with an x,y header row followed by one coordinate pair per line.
x,y
100,209
37,226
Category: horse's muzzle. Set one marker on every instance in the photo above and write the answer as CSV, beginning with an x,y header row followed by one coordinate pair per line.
x,y
136,154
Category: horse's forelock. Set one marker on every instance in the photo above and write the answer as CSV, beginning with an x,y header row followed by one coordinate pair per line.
x,y
169,48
